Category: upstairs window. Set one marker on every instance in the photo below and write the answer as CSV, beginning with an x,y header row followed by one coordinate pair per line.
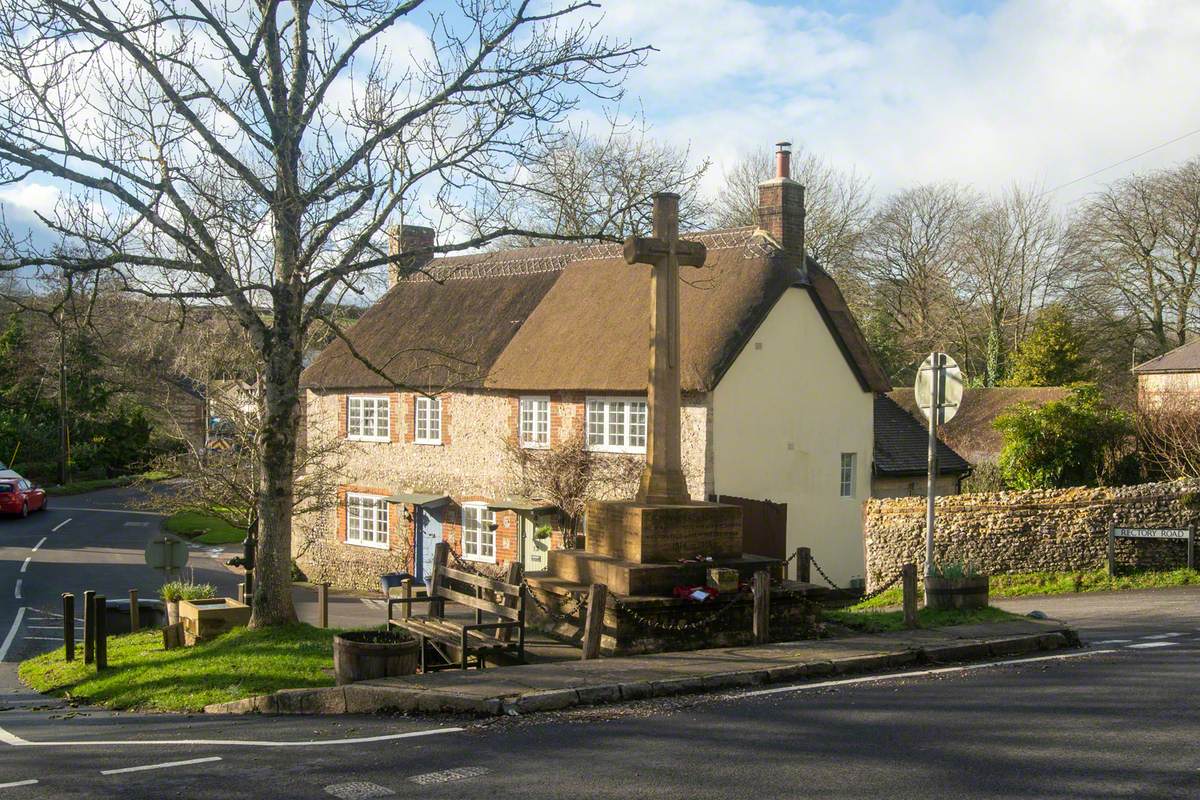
x,y
428,421
535,422
616,424
366,520
846,478
479,533
368,419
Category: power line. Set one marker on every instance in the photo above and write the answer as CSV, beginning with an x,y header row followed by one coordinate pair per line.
x,y
1122,161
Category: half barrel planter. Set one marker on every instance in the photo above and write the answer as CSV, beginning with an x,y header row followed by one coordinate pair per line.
x,y
943,594
367,655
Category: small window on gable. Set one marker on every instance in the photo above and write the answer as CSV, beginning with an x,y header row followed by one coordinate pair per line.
x,y
428,423
617,424
368,419
846,481
535,422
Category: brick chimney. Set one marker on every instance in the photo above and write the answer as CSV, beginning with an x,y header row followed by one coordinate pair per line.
x,y
404,239
781,204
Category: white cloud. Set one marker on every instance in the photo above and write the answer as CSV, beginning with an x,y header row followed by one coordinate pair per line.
x,y
29,197
1028,91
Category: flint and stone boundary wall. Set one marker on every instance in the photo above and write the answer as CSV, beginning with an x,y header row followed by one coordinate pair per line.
x,y
1055,530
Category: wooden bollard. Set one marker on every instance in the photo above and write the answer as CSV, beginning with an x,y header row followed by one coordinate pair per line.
x,y
593,627
89,626
68,626
322,605
908,580
762,607
134,612
513,577
406,590
101,616
804,564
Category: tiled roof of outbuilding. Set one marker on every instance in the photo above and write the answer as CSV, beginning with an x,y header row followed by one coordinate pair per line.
x,y
902,444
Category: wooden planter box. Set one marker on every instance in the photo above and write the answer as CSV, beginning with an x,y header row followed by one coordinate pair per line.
x,y
204,619
966,593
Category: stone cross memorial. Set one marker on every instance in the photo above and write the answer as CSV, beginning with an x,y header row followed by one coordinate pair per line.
x,y
662,479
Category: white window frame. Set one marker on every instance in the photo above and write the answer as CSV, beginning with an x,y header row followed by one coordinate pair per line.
x,y
377,401
475,538
536,434
380,530
847,475
611,417
429,405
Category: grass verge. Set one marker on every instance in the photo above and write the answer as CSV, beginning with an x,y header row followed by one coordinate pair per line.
x,y
80,487
142,675
1039,583
204,528
884,621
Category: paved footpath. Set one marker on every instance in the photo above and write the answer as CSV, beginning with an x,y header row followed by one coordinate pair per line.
x,y
545,687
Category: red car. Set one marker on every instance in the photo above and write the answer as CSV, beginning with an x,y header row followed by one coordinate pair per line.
x,y
19,496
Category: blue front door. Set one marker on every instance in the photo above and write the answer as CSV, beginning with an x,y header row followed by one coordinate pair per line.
x,y
429,533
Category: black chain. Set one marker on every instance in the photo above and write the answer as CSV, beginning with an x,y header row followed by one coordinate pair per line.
x,y
673,626
866,595
579,608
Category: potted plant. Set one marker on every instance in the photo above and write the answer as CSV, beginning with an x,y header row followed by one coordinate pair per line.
x,y
364,655
174,591
955,585
542,532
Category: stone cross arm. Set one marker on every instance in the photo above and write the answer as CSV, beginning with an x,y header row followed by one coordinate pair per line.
x,y
651,250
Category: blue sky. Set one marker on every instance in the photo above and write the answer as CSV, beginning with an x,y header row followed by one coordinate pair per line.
x,y
907,91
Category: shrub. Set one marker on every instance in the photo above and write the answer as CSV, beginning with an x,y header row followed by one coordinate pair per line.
x,y
1076,441
173,591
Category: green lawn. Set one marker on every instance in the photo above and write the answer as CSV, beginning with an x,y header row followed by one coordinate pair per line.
x,y
1038,583
882,621
79,487
142,675
203,528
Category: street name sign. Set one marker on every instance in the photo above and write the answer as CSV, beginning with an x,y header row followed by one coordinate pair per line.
x,y
1187,534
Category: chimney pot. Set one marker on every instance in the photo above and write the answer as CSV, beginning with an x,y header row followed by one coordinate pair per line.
x,y
783,159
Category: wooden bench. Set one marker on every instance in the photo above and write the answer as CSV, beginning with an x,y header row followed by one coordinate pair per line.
x,y
454,642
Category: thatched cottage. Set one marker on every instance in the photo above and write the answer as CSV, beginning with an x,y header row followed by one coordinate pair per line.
x,y
534,351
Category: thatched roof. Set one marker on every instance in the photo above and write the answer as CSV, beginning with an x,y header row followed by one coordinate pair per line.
x,y
971,432
902,444
575,318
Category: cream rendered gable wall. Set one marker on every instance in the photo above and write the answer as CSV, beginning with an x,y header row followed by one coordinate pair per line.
x,y
783,414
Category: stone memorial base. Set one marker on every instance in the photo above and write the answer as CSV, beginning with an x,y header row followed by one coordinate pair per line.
x,y
685,624
656,534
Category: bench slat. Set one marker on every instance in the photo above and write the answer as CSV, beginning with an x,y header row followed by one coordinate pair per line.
x,y
449,634
475,602
480,581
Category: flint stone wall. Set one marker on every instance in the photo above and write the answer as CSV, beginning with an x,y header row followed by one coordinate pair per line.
x,y
1058,530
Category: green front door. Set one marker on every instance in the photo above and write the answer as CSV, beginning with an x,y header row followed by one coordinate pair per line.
x,y
533,550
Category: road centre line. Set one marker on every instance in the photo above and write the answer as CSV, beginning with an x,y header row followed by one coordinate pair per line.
x,y
25,563
12,633
15,784
16,741
163,765
918,673
39,544
1146,645
1161,636
59,525
17,590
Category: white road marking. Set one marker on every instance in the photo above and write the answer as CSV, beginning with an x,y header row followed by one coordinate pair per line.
x,y
109,511
1113,641
59,525
12,633
17,741
134,524
1161,636
163,765
45,627
17,590
357,790
15,784
41,542
919,673
447,775
1145,645
44,638
25,563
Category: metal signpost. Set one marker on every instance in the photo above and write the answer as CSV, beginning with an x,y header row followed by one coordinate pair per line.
x,y
1187,534
938,393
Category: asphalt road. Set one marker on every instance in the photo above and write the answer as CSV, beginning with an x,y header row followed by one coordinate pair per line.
x,y
1117,719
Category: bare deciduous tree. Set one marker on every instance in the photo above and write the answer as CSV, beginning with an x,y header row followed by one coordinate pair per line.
x,y
250,155
1168,433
